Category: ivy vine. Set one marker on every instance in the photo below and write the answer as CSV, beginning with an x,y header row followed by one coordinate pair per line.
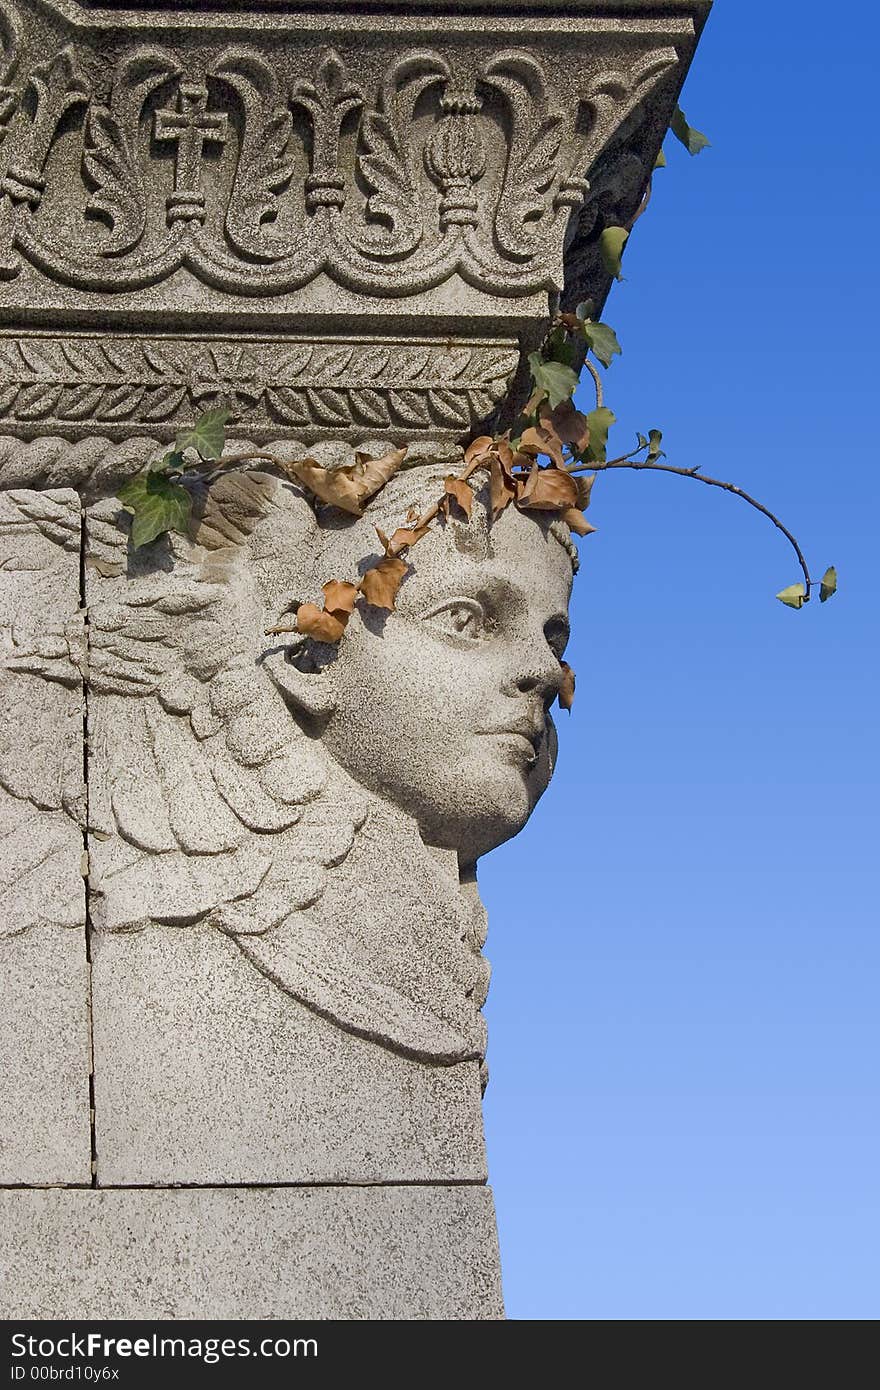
x,y
546,462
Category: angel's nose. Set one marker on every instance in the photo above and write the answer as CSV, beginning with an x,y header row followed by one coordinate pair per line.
x,y
538,672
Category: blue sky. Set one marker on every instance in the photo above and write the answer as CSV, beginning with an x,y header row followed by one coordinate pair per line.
x,y
683,1116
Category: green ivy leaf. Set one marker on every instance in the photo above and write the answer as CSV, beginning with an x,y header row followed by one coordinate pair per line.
x,y
660,161
602,340
599,422
653,442
172,462
207,434
559,348
693,140
795,596
558,380
585,309
611,244
157,504
828,584
642,441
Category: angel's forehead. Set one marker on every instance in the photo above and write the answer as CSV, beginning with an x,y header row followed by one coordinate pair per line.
x,y
523,564
298,551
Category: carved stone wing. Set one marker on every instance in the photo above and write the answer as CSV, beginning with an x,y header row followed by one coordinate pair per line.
x,y
208,804
204,798
42,794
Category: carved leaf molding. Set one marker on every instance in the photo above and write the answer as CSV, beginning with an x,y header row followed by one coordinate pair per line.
x,y
533,159
386,163
377,386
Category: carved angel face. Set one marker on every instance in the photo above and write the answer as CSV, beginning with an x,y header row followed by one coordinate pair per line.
x,y
443,706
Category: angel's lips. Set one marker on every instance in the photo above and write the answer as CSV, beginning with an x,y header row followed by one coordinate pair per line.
x,y
520,745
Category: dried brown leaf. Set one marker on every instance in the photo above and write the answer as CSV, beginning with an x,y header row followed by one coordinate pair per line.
x,y
478,447
571,322
502,487
523,460
570,425
577,522
458,492
369,475
333,485
340,598
566,690
404,537
504,452
585,491
542,440
323,626
380,584
548,490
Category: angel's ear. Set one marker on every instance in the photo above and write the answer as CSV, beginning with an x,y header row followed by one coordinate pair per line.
x,y
305,684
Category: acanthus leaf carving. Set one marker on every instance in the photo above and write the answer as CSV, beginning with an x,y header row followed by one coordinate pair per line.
x,y
609,147
10,53
119,196
612,96
394,222
110,147
10,44
533,156
58,86
265,166
386,194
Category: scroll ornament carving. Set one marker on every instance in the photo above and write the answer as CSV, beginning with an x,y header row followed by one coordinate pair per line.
x,y
256,190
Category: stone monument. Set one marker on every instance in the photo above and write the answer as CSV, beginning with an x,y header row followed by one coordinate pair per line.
x,y
241,936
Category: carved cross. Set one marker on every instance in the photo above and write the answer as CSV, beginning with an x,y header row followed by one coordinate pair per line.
x,y
191,127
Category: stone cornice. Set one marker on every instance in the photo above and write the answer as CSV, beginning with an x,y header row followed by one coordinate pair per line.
x,y
430,194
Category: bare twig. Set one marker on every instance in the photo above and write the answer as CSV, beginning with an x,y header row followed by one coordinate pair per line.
x,y
628,462
228,460
597,381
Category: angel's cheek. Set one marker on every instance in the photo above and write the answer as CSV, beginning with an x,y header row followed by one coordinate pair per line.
x,y
407,713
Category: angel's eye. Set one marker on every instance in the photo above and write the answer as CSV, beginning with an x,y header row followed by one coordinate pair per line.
x,y
461,617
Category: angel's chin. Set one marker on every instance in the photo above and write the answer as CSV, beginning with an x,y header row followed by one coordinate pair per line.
x,y
497,814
